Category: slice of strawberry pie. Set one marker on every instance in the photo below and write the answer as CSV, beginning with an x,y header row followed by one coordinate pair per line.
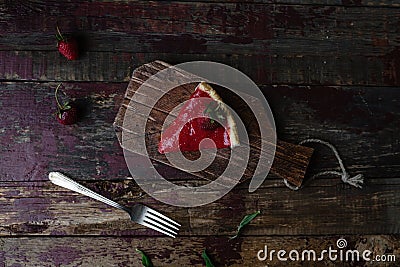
x,y
203,116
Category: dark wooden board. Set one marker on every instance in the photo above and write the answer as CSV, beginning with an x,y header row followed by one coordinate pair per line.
x,y
290,162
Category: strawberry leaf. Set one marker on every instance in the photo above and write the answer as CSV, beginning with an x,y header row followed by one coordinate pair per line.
x,y
207,259
145,260
246,220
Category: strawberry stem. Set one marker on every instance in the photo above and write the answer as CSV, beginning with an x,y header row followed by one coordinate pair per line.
x,y
55,94
59,35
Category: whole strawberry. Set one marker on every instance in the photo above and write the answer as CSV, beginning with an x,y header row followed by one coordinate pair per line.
x,y
68,47
67,112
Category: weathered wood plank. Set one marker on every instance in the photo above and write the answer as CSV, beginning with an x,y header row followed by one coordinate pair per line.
x,y
236,19
378,3
354,120
352,3
328,44
35,144
41,208
272,43
262,69
120,251
51,66
294,42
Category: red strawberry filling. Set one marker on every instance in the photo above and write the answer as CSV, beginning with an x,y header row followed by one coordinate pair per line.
x,y
186,134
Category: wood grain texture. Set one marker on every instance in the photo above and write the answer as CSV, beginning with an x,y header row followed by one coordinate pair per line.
x,y
262,69
120,251
41,208
217,17
366,139
290,160
347,50
34,143
295,44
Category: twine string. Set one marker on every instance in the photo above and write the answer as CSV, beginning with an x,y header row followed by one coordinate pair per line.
x,y
356,181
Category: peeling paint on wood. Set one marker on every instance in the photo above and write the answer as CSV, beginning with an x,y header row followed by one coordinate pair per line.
x,y
334,66
300,113
120,251
41,208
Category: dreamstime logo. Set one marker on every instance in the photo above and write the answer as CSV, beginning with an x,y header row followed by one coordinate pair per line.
x,y
340,253
341,243
147,97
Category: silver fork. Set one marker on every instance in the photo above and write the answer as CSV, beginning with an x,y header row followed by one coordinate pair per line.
x,y
139,213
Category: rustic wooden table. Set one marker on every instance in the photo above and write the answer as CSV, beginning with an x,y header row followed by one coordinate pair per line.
x,y
329,71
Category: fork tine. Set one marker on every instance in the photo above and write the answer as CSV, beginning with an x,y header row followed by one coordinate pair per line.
x,y
157,229
159,225
163,216
160,220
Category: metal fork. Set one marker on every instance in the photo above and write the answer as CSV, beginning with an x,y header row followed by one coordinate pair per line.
x,y
139,213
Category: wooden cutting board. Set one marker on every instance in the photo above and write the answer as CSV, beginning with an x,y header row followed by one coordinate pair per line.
x,y
290,161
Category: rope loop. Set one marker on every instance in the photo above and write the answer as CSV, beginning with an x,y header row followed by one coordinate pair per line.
x,y
356,181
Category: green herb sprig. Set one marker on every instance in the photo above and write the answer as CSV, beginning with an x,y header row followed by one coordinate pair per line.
x,y
145,259
246,220
207,259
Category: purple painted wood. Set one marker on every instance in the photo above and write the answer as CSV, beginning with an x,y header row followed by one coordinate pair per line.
x,y
34,142
336,68
120,251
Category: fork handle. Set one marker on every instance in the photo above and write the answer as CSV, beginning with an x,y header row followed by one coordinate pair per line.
x,y
63,181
